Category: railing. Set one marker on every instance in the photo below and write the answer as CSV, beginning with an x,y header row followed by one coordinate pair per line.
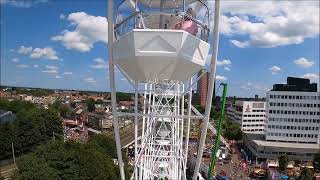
x,y
160,20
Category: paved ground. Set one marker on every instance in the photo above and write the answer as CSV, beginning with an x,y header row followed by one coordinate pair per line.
x,y
127,133
6,171
233,169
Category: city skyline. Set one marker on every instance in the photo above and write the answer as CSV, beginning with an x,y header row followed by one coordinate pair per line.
x,y
57,49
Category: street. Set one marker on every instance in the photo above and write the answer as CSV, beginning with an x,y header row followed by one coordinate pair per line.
x,y
233,168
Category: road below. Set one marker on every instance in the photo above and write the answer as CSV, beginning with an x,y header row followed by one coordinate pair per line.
x,y
127,134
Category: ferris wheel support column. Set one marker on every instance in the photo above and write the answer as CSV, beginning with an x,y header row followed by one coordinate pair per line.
x,y
136,127
112,88
210,87
188,130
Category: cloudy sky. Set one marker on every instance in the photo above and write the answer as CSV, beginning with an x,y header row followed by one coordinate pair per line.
x,y
62,44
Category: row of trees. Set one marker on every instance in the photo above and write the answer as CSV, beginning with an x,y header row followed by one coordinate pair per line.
x,y
45,158
34,92
230,130
32,127
72,160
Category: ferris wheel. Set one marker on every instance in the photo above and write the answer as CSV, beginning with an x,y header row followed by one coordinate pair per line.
x,y
160,46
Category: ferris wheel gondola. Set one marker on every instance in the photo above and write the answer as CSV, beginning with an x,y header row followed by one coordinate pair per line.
x,y
160,45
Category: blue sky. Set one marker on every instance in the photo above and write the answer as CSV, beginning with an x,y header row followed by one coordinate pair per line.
x,y
50,44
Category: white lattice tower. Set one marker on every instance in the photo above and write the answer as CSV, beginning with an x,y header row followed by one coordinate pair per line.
x,y
161,153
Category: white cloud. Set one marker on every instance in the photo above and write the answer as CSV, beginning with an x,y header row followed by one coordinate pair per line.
x,y
15,60
255,87
268,23
89,80
311,76
22,66
224,62
36,65
221,78
62,16
275,69
240,44
245,87
303,62
51,69
24,50
99,64
22,4
88,30
67,73
47,53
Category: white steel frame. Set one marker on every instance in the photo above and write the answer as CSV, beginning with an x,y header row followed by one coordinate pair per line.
x,y
161,152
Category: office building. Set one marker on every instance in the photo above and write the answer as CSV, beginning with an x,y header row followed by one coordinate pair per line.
x,y
250,115
292,122
293,114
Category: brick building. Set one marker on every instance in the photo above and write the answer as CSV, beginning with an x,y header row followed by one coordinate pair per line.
x,y
202,88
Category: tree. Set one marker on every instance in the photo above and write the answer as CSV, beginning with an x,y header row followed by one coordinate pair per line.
x,y
32,167
283,162
232,131
123,96
67,160
32,127
105,143
316,161
306,174
35,92
15,105
63,109
29,128
52,123
6,138
99,101
73,104
91,105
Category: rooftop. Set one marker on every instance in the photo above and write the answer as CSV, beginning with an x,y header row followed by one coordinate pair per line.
x,y
6,116
260,141
296,84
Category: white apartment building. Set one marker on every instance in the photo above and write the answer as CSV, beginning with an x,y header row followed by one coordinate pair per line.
x,y
293,116
249,114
